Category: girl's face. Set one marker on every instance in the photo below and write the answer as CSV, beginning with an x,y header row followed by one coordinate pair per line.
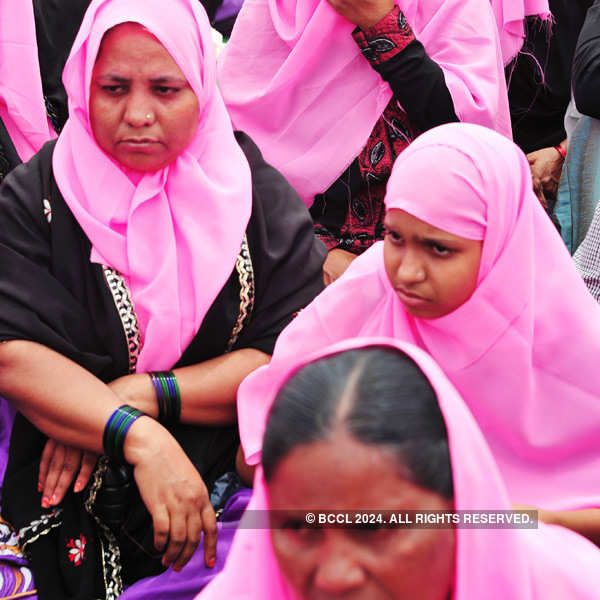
x,y
143,112
371,563
432,271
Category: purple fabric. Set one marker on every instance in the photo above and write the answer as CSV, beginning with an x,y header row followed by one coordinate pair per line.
x,y
7,416
15,576
229,8
195,575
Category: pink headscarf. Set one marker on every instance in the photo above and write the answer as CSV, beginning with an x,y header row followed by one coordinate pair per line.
x,y
22,107
549,562
174,235
522,351
510,15
294,79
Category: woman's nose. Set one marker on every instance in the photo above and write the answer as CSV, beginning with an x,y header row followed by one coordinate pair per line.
x,y
339,570
410,269
138,111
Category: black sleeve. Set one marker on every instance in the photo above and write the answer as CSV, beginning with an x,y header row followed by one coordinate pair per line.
x,y
287,257
586,65
416,80
9,159
34,304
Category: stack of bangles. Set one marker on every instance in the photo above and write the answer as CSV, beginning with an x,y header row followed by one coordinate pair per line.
x,y
169,411
167,396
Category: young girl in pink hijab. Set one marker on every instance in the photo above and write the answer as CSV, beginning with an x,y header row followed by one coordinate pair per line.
x,y
144,273
473,272
333,92
373,427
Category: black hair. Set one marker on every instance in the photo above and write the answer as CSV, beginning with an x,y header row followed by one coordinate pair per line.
x,y
377,395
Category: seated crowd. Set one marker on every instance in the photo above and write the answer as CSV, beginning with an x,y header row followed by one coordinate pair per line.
x,y
314,275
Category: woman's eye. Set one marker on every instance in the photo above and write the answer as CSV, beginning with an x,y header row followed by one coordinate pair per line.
x,y
114,89
163,90
396,238
440,250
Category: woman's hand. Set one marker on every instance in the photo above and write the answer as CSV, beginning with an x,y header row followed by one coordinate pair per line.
x,y
173,493
364,13
336,263
58,467
546,168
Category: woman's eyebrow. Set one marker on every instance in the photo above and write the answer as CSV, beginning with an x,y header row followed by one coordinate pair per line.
x,y
429,239
168,79
109,77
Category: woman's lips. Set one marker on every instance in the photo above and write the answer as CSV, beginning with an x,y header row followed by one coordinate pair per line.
x,y
139,144
410,299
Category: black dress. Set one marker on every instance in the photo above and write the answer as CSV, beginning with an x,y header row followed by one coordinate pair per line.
x,y
538,104
52,294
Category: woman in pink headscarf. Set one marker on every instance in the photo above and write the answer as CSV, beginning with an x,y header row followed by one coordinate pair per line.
x,y
35,39
333,91
463,273
414,446
24,126
144,273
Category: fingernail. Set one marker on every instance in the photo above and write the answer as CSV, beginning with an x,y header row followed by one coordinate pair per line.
x,y
40,487
53,500
211,563
45,503
78,487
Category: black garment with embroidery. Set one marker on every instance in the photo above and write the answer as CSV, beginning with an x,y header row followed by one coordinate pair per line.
x,y
349,215
50,293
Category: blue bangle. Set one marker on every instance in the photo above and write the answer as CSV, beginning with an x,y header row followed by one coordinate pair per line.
x,y
116,430
168,396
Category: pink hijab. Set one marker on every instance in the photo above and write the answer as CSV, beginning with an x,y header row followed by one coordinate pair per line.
x,y
173,234
294,79
510,15
22,107
522,351
490,564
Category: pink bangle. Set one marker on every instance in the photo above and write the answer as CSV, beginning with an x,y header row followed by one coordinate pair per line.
x,y
561,151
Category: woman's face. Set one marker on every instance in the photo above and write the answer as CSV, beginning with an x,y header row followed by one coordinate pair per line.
x,y
432,271
341,474
143,111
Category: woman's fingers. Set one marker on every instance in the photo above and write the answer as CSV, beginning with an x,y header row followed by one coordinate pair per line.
x,y
45,463
160,522
194,531
88,463
66,474
177,537
55,467
209,525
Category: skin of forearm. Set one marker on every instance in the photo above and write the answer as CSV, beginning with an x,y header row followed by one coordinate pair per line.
x,y
208,389
585,521
59,397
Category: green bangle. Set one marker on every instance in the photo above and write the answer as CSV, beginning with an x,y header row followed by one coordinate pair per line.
x,y
116,430
168,396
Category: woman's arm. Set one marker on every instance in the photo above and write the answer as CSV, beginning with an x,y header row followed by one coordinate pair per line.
x,y
389,44
208,389
585,522
70,405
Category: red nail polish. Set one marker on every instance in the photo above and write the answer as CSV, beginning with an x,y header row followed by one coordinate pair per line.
x,y
211,563
78,487
53,500
45,503
40,487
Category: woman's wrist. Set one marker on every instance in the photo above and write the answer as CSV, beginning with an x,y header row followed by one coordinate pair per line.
x,y
136,390
143,440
